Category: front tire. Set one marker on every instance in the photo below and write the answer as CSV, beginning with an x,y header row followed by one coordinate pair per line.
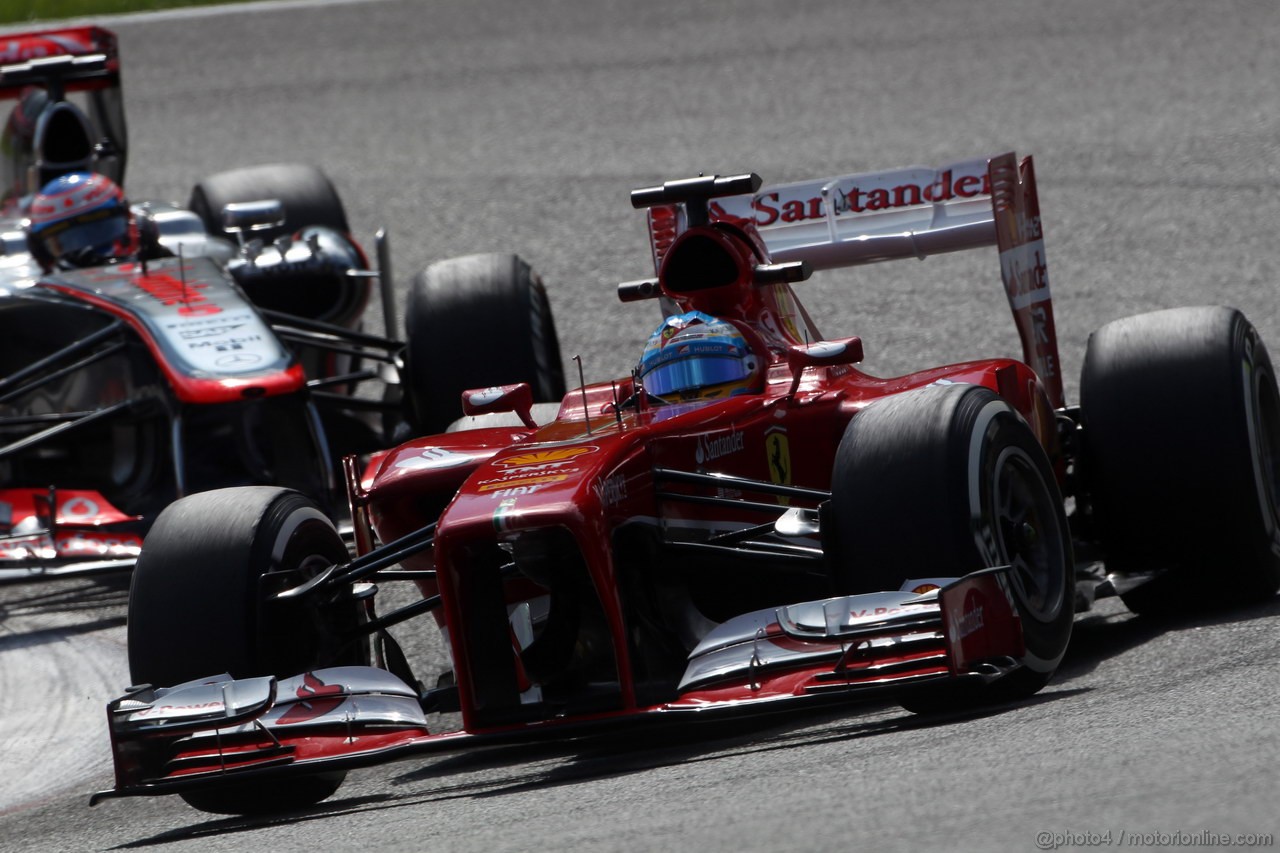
x,y
940,482
473,322
197,608
1180,458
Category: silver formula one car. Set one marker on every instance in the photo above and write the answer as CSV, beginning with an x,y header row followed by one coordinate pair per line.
x,y
226,347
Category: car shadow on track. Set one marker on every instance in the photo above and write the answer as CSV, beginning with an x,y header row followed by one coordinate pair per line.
x,y
46,611
1106,632
44,598
30,639
566,763
1110,630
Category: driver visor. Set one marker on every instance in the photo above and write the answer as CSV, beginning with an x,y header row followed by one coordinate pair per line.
x,y
98,230
694,371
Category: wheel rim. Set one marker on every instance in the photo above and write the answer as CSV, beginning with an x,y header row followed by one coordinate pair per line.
x,y
1029,536
1264,424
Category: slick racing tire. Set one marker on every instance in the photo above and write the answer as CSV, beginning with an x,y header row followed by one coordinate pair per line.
x,y
308,196
1180,428
197,608
473,322
940,482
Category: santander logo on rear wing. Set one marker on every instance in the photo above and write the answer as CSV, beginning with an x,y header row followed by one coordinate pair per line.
x,y
912,212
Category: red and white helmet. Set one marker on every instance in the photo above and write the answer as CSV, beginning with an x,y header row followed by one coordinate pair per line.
x,y
80,220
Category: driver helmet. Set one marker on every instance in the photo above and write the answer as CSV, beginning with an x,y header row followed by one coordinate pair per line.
x,y
81,219
695,356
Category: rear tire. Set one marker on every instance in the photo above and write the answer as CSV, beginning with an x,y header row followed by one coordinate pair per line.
x,y
308,196
940,482
473,322
197,608
1180,421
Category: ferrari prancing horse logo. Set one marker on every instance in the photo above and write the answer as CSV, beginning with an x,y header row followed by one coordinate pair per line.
x,y
778,451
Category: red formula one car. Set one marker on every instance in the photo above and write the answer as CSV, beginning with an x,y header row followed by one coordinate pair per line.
x,y
746,523
229,349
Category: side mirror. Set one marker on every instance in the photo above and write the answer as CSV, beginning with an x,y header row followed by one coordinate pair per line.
x,y
516,398
822,354
792,271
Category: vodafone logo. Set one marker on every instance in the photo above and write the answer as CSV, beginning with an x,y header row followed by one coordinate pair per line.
x,y
80,508
172,291
23,47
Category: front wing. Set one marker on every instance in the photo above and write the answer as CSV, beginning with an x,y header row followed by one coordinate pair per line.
x,y
221,730
54,532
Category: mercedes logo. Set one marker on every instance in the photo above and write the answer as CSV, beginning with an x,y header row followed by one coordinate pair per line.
x,y
238,359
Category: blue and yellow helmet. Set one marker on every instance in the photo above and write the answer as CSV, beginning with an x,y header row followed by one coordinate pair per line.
x,y
695,356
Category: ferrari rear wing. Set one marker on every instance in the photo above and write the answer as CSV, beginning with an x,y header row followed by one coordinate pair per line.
x,y
859,219
913,212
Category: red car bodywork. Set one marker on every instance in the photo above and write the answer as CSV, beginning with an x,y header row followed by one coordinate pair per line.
x,y
564,498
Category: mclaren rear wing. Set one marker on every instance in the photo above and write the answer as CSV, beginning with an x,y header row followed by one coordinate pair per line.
x,y
74,57
912,212
76,65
